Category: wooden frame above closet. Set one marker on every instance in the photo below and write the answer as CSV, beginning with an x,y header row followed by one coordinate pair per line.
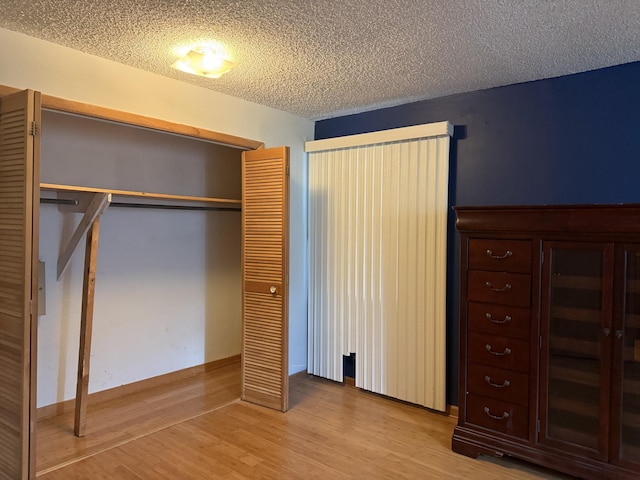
x,y
103,113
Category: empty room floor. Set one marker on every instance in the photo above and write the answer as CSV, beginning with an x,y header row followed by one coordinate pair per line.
x,y
199,429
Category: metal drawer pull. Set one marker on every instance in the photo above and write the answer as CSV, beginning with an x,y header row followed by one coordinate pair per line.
x,y
490,286
506,383
495,417
507,351
508,253
507,318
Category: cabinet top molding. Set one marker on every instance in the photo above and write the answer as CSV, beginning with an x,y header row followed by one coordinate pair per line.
x,y
614,219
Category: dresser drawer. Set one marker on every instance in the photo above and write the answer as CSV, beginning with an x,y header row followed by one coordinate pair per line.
x,y
501,320
499,287
506,385
500,352
498,415
500,255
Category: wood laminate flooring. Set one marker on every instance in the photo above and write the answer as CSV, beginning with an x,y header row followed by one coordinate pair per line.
x,y
120,421
198,429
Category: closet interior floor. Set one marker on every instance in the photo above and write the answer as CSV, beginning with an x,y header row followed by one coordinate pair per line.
x,y
127,418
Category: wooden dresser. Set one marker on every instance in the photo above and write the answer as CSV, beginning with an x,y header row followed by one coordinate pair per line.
x,y
550,337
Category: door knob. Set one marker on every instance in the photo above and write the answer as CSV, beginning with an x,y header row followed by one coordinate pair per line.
x,y
273,289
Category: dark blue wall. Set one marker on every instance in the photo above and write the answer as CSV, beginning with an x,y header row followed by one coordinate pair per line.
x,y
567,140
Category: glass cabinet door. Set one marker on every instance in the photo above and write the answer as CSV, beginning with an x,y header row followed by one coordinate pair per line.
x,y
626,411
575,343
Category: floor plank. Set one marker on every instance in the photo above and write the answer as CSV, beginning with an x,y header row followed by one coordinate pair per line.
x,y
120,421
330,432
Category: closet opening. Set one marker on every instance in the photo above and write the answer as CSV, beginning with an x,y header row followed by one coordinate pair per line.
x,y
168,282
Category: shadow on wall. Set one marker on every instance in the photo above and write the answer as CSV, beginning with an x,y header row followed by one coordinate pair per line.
x,y
223,291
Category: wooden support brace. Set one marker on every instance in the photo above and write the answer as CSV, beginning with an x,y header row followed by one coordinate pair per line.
x,y
96,207
86,325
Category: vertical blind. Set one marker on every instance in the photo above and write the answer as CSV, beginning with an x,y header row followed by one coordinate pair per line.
x,y
378,206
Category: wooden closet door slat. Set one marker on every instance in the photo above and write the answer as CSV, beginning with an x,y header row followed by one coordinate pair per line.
x,y
265,379
19,197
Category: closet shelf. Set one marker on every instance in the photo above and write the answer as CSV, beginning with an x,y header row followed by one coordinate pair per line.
x,y
132,194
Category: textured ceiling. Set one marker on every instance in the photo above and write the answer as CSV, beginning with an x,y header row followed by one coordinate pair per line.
x,y
323,58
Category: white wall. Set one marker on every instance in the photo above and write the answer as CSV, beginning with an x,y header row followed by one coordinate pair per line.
x,y
168,282
26,62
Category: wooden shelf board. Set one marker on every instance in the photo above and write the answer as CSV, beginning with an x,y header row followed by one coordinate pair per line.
x,y
573,436
631,386
633,285
577,314
574,375
577,282
573,405
583,347
630,420
127,193
630,453
632,320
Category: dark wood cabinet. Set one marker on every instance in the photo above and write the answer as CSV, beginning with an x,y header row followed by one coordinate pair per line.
x,y
575,328
550,337
625,379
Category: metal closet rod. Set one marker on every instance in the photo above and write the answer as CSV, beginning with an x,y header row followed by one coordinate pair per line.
x,y
157,206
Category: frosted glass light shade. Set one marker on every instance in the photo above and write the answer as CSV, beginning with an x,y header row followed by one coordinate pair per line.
x,y
205,62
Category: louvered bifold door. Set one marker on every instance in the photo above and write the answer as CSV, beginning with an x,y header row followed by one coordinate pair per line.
x,y
265,277
19,203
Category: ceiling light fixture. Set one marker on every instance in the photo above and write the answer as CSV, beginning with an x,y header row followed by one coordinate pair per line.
x,y
204,61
